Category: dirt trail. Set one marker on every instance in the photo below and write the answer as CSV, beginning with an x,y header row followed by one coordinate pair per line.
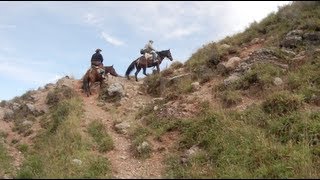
x,y
124,165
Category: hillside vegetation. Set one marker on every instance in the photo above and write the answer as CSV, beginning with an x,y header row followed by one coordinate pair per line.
x,y
247,106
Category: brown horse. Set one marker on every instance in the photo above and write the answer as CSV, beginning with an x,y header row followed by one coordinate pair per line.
x,y
142,62
92,76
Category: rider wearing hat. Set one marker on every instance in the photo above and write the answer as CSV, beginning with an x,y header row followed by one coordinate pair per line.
x,y
96,61
148,48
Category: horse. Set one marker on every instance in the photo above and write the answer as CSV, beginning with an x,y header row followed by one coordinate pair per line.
x,y
93,76
144,63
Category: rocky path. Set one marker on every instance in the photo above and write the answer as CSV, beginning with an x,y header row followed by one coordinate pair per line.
x,y
124,165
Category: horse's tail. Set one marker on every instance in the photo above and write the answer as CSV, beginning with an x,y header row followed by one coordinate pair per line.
x,y
85,84
130,68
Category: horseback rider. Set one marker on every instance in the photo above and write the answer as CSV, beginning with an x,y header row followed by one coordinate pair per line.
x,y
96,62
148,48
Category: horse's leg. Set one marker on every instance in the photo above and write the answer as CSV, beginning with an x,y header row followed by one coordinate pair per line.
x,y
86,86
144,71
137,72
89,89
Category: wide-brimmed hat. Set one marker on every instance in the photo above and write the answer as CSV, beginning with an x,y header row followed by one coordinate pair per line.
x,y
98,50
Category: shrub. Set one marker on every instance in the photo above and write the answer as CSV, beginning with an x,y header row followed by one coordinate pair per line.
x,y
230,98
154,85
59,94
176,65
97,130
281,103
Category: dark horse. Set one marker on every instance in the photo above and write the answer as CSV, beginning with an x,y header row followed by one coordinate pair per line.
x,y
93,76
142,62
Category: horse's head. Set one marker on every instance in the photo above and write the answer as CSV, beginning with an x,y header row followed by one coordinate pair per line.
x,y
166,53
111,70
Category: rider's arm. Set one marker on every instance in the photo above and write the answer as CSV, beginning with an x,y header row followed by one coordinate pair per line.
x,y
101,58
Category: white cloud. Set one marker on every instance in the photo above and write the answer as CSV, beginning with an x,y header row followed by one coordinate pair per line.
x,y
181,32
111,40
93,19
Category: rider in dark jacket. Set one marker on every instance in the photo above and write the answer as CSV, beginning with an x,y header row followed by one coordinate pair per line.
x,y
96,60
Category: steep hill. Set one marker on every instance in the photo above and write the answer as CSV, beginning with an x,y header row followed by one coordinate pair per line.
x,y
247,106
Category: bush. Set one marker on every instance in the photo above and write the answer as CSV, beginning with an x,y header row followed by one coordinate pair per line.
x,y
209,55
59,94
138,136
281,103
297,128
97,130
154,85
167,72
230,98
176,65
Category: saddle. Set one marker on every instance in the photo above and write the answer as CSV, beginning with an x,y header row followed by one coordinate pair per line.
x,y
148,56
99,68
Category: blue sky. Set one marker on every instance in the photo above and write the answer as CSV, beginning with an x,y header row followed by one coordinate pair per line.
x,y
42,41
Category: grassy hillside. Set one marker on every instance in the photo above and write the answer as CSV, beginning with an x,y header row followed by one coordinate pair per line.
x,y
61,150
276,137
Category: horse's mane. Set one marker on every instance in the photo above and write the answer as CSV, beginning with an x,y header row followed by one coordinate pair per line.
x,y
162,53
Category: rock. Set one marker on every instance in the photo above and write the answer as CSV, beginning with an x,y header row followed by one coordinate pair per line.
x,y
192,151
77,161
255,41
230,65
296,32
233,63
122,127
232,78
288,52
65,81
31,108
155,108
155,100
143,147
312,36
27,123
242,68
195,85
225,46
292,39
277,81
116,88
15,106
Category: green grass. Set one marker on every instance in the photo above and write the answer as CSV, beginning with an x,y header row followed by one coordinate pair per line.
x,y
99,133
5,162
61,142
282,102
138,136
234,149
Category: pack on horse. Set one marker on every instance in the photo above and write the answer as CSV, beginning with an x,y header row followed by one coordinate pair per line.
x,y
92,76
144,63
